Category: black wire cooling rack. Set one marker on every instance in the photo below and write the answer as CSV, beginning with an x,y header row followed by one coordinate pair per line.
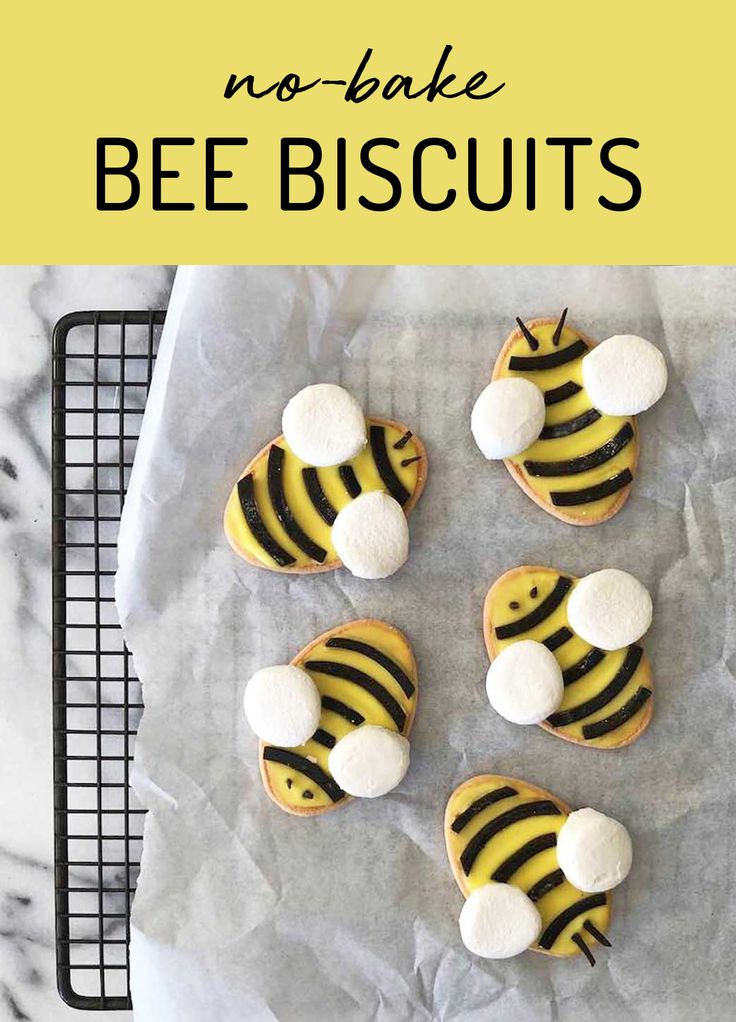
x,y
102,367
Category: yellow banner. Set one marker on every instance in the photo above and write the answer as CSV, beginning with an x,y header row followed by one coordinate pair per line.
x,y
534,132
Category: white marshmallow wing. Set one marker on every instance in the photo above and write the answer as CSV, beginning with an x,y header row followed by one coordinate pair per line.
x,y
609,609
624,375
499,921
324,425
282,705
524,683
594,851
507,417
369,761
371,535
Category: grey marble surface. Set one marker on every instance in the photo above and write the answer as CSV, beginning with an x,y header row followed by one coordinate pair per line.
x,y
31,300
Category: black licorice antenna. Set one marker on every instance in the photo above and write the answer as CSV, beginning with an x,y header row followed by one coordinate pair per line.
x,y
533,342
595,932
558,329
577,939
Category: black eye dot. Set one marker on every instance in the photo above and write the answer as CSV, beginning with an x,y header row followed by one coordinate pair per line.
x,y
289,782
514,605
533,592
307,794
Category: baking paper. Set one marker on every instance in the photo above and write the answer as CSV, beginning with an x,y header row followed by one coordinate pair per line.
x,y
244,912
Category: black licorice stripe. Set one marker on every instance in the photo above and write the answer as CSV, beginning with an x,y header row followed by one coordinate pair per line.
x,y
276,458
570,426
545,885
559,923
350,480
317,495
385,469
581,668
619,681
403,440
375,688
305,766
247,497
509,866
356,646
557,639
561,393
569,498
342,710
535,363
602,727
491,797
539,614
585,462
324,738
523,812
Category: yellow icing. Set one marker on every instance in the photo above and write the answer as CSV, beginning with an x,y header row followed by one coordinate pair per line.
x,y
392,644
583,442
301,506
516,586
509,840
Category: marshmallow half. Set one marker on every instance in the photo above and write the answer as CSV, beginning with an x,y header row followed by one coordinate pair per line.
x,y
507,417
499,921
594,851
609,609
369,761
282,705
371,535
624,375
524,683
324,425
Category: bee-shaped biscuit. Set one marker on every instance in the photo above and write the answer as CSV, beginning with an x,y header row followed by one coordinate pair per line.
x,y
335,722
283,510
535,874
594,689
565,426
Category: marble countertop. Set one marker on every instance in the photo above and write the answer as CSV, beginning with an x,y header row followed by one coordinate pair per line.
x,y
31,300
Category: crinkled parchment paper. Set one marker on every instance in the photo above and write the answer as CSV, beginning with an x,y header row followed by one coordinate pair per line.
x,y
246,913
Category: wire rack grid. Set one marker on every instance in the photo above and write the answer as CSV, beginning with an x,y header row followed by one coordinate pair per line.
x,y
102,368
